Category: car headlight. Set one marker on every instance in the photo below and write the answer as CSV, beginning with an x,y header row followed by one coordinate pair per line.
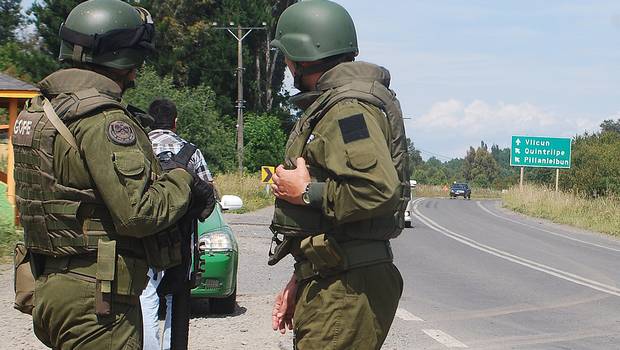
x,y
217,241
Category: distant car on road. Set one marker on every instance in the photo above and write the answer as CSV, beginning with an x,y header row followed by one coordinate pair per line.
x,y
460,189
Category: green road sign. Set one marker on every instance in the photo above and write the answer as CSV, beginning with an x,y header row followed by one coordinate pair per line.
x,y
541,152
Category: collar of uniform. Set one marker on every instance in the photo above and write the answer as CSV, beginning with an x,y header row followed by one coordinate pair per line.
x,y
348,72
342,74
161,131
74,80
303,100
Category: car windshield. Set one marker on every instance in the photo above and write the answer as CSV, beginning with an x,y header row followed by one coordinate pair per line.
x,y
459,186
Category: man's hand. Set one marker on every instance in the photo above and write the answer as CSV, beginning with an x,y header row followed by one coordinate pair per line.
x,y
289,185
284,307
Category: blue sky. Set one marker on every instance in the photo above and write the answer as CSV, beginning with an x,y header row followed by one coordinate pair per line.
x,y
472,70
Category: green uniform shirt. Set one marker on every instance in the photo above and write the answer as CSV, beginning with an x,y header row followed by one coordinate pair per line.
x,y
362,181
127,176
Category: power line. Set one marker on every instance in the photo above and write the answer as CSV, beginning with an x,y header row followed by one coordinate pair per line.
x,y
435,154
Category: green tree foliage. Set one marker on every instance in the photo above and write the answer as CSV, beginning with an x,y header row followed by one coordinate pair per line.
x,y
480,168
611,125
194,52
199,121
431,172
47,17
415,158
264,141
10,19
25,61
454,169
508,175
595,165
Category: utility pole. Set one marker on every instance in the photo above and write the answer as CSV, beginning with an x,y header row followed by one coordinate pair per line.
x,y
239,36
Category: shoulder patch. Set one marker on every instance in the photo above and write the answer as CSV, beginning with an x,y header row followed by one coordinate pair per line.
x,y
121,133
353,128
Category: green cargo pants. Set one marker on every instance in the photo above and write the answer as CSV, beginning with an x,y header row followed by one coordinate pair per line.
x,y
64,317
352,310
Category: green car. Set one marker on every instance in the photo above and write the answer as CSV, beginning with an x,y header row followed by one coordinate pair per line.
x,y
219,258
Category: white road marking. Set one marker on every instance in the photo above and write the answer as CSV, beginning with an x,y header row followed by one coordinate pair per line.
x,y
567,276
544,230
407,316
444,338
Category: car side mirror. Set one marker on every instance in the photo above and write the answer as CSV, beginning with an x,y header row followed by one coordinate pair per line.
x,y
230,202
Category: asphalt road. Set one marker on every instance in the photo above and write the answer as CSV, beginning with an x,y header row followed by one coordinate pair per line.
x,y
480,277
476,276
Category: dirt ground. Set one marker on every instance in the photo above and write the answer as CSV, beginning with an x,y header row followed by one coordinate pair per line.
x,y
248,328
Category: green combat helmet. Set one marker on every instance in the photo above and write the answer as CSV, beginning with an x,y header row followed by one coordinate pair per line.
x,y
314,30
109,33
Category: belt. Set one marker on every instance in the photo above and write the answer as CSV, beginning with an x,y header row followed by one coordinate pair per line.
x,y
83,267
353,254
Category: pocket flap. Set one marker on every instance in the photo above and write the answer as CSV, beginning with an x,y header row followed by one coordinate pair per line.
x,y
360,160
129,163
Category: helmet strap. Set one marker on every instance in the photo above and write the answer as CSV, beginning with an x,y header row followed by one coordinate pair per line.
x,y
78,50
298,77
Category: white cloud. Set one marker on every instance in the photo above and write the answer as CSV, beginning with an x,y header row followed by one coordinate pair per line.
x,y
450,127
478,116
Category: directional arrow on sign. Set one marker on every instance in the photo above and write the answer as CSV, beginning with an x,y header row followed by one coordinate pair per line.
x,y
517,160
518,142
266,174
517,150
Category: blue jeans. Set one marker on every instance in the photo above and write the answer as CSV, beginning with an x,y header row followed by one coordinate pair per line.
x,y
149,301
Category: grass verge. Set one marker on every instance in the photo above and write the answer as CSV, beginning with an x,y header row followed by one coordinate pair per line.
x,y
599,214
439,191
8,234
248,187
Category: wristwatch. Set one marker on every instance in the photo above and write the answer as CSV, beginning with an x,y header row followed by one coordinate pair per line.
x,y
305,197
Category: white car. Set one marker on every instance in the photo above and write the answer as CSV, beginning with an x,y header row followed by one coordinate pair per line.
x,y
408,220
407,217
408,211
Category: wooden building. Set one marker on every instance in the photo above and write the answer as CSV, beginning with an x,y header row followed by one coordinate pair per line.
x,y
13,94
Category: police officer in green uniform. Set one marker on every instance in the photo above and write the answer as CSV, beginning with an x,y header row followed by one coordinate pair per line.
x,y
343,189
97,210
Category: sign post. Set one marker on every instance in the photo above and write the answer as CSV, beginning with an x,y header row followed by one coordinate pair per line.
x,y
540,152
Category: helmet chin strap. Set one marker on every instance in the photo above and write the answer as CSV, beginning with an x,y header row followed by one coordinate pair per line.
x,y
320,66
298,78
128,84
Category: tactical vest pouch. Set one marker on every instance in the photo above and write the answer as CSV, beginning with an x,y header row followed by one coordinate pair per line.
x,y
131,276
351,255
324,253
163,250
23,279
298,221
377,228
106,268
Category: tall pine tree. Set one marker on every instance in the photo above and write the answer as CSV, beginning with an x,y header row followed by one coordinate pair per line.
x,y
10,20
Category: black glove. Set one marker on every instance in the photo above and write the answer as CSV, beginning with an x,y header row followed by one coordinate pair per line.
x,y
203,199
